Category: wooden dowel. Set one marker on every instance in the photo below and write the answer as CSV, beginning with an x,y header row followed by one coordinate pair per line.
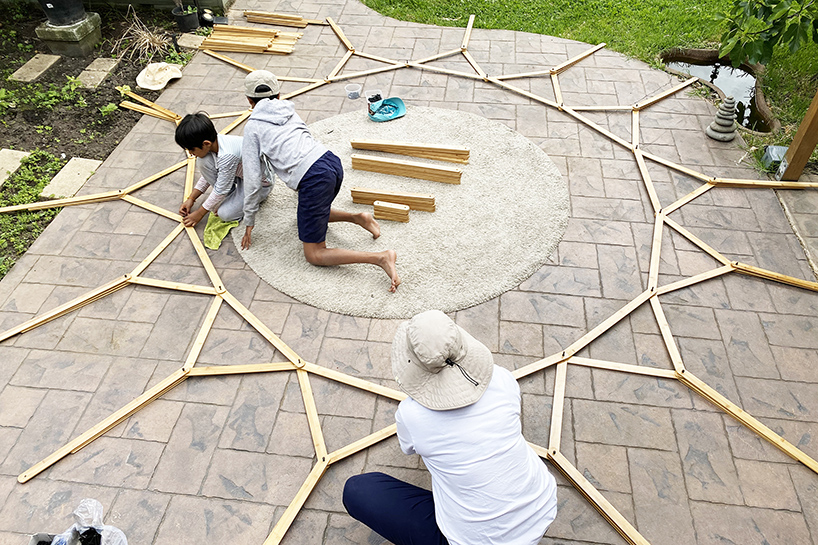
x,y
101,428
72,305
646,179
356,382
774,276
714,397
222,370
573,60
204,331
153,178
701,277
667,336
152,207
340,34
624,367
697,241
295,506
557,407
664,95
467,36
363,443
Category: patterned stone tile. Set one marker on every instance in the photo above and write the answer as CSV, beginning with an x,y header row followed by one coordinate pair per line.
x,y
717,524
623,424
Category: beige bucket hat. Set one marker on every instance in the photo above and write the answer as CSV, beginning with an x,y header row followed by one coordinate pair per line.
x,y
157,74
438,363
261,77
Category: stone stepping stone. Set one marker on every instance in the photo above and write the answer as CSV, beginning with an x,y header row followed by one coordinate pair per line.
x,y
71,178
35,67
10,160
96,72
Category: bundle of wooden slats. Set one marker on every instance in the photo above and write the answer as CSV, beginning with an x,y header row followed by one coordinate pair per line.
x,y
415,201
391,211
250,40
412,169
147,107
452,154
282,19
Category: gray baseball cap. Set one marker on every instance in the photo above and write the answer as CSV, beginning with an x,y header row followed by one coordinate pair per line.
x,y
257,78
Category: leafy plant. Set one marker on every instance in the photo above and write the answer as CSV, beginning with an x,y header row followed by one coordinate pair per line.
x,y
18,231
108,109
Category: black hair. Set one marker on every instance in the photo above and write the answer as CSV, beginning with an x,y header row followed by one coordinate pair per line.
x,y
194,129
262,89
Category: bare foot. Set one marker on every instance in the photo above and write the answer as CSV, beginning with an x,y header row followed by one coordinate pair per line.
x,y
388,264
365,220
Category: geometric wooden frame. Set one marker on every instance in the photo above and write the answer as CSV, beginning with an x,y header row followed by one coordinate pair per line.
x,y
560,360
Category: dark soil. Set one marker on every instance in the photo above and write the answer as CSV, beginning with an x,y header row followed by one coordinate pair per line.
x,y
79,126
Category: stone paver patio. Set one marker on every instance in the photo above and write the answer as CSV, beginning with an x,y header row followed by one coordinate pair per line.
x,y
220,458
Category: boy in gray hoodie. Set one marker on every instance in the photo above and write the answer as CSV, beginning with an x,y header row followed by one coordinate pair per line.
x,y
276,138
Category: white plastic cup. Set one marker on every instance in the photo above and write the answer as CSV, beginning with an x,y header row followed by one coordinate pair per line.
x,y
353,90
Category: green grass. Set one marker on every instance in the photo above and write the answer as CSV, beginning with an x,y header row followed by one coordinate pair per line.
x,y
19,230
639,29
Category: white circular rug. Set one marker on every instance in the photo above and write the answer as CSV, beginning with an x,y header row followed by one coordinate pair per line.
x,y
486,236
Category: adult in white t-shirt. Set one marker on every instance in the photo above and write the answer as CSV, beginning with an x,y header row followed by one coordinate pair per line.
x,y
463,419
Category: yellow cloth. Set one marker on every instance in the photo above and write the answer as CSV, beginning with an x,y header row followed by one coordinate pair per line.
x,y
215,231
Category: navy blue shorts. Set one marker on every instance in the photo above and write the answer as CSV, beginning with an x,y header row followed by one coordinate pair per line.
x,y
316,191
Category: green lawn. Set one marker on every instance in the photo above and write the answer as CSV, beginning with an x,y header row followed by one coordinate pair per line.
x,y
640,29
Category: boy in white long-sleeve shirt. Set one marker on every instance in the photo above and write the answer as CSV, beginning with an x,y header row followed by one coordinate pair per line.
x,y
220,165
275,137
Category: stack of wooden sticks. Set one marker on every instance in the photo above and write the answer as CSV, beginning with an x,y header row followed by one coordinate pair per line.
x,y
281,19
250,40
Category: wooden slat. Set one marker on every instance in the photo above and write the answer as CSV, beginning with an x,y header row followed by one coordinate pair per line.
x,y
177,286
363,443
341,63
646,179
445,71
555,84
524,93
204,331
101,428
700,387
757,184
539,365
72,305
342,77
474,64
635,128
467,35
624,367
312,415
226,114
150,104
221,370
236,122
152,207
408,148
655,251
667,336
697,241
608,511
545,72
228,60
435,57
69,201
410,169
189,174
359,383
602,108
295,506
259,326
774,276
702,189
378,58
557,406
150,179
701,277
203,257
340,34
661,96
573,60
297,92
684,170
145,110
391,211
625,144
156,251
415,201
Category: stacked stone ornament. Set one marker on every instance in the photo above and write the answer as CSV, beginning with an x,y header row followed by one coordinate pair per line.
x,y
723,128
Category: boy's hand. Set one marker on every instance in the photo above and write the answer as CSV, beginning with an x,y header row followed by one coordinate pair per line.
x,y
184,210
193,218
245,240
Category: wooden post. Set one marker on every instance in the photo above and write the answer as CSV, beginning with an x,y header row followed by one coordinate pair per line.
x,y
802,145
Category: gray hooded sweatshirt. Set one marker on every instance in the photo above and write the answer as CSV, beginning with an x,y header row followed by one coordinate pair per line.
x,y
275,140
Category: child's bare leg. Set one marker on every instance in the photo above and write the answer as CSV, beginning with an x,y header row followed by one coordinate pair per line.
x,y
364,219
317,253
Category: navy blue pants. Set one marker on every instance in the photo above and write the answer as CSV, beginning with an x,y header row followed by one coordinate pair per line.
x,y
400,512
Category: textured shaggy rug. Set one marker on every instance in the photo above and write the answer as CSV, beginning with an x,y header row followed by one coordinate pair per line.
x,y
486,236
